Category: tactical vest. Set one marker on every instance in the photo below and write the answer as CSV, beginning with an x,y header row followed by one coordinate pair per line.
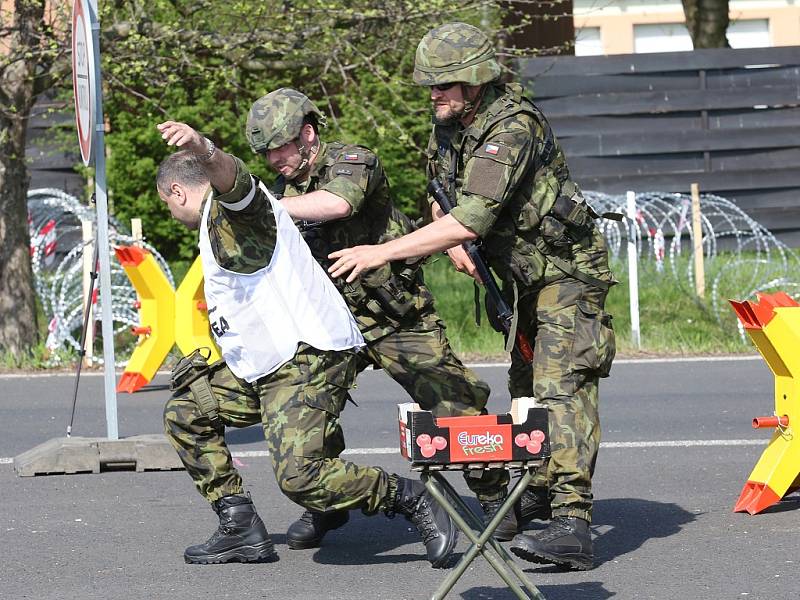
x,y
546,219
258,319
390,293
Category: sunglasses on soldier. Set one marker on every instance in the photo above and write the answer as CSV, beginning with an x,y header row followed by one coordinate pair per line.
x,y
442,87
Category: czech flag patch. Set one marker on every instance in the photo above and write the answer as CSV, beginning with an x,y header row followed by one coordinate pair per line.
x,y
351,156
491,149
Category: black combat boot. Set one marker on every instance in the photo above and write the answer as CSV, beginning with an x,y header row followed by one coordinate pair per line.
x,y
566,542
508,527
241,535
311,527
533,504
434,525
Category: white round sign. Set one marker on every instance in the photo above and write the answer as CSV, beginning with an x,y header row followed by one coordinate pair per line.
x,y
83,78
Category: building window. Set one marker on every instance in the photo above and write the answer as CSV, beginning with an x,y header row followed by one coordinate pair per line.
x,y
661,37
750,33
588,42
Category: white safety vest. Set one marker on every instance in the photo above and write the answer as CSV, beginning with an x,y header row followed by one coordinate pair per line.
x,y
259,318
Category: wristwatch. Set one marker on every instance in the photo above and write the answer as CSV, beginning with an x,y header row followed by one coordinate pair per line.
x,y
211,148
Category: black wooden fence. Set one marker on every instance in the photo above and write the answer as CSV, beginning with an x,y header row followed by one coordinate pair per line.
x,y
726,119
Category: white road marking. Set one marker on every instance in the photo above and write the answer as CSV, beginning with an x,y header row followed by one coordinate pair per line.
x,y
621,361
643,444
657,360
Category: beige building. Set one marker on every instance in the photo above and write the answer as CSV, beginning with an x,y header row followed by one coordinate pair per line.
x,y
638,26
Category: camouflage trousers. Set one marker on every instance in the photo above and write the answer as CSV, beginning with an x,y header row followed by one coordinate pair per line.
x,y
420,359
298,407
573,347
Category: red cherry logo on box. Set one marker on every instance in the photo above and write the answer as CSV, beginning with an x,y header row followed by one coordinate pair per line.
x,y
537,435
439,442
533,447
522,440
423,439
428,450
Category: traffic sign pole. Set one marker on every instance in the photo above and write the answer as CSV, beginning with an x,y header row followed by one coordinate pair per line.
x,y
91,131
101,199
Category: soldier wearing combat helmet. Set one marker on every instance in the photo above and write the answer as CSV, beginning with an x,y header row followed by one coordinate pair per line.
x,y
496,156
339,194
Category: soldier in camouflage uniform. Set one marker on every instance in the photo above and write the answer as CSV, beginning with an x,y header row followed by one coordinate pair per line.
x,y
288,343
340,196
497,157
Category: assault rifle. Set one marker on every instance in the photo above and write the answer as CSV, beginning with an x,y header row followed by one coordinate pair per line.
x,y
505,315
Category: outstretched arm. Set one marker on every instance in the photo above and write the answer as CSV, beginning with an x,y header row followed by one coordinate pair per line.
x,y
218,165
440,235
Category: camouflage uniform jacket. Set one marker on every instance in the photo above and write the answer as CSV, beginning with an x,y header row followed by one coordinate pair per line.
x,y
504,172
243,241
385,299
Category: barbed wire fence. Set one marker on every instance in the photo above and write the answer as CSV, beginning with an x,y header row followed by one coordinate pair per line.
x,y
57,254
741,256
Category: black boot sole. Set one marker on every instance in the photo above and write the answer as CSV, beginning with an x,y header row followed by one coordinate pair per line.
x,y
263,552
571,562
304,544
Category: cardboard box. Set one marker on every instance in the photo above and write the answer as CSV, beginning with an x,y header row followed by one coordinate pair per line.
x,y
522,434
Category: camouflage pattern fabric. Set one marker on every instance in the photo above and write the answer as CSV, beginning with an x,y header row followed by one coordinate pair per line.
x,y
412,347
574,346
276,119
385,298
505,172
298,407
242,240
455,53
510,170
419,358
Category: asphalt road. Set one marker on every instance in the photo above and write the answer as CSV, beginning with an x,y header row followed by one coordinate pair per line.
x,y
678,448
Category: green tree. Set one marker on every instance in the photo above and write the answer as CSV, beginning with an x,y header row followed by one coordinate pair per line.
x,y
31,58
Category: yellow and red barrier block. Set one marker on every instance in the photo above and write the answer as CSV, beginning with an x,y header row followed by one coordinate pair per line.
x,y
166,316
773,323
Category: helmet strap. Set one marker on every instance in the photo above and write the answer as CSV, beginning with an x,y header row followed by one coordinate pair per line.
x,y
306,154
470,106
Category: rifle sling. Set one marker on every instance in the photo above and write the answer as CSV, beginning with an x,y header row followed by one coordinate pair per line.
x,y
567,267
511,340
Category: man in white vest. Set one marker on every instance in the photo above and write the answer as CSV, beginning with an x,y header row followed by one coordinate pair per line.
x,y
288,342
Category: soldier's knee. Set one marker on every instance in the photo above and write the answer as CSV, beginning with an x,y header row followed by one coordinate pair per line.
x,y
178,411
300,478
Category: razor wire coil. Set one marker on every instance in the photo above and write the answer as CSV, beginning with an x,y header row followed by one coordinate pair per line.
x,y
741,256
57,254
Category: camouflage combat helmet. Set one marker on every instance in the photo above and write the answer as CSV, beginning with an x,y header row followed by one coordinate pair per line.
x,y
455,53
277,118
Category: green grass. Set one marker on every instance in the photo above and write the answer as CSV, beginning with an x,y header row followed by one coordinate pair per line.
x,y
672,320
455,303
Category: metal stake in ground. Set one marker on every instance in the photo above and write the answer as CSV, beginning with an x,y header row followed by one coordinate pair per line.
x,y
86,313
